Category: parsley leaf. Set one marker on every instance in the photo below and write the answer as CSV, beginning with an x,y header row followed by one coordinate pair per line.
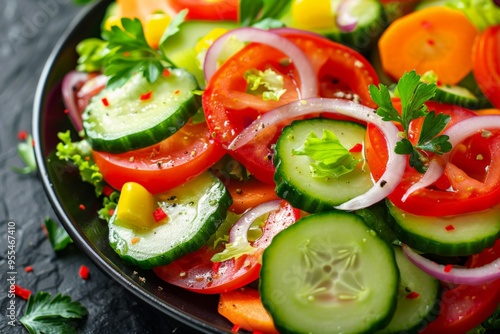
x,y
331,158
253,12
79,153
58,236
52,315
27,156
93,54
414,93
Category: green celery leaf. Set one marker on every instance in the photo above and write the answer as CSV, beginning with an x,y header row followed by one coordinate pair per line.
x,y
58,236
52,315
330,157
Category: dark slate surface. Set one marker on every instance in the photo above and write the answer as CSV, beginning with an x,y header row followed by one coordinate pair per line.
x,y
28,31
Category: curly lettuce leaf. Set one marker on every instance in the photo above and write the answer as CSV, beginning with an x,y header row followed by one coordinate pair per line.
x,y
330,157
268,83
79,153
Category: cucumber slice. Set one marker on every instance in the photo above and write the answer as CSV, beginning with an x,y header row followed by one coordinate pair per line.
x,y
120,120
461,235
180,48
378,218
418,298
293,178
456,95
329,273
195,210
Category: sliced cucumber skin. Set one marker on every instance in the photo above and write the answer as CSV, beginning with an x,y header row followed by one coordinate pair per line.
x,y
282,279
128,122
471,233
294,182
189,226
456,95
413,314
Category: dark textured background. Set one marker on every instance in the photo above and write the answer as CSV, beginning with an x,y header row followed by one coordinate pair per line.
x,y
28,31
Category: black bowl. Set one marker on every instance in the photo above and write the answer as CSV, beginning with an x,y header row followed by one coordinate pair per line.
x,y
67,192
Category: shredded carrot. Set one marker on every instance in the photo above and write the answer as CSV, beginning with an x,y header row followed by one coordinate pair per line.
x,y
436,38
248,194
244,308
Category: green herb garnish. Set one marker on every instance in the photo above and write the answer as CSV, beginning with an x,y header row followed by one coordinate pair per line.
x,y
123,51
414,93
268,83
27,156
330,157
482,13
262,13
57,235
52,315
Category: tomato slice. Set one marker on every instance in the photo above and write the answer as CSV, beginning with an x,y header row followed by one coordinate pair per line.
x,y
463,307
475,180
170,163
486,63
207,9
196,272
341,72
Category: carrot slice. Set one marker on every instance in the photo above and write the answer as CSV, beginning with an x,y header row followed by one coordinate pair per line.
x,y
244,308
436,38
249,194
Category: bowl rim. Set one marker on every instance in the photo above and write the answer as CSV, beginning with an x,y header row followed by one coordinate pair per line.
x,y
89,250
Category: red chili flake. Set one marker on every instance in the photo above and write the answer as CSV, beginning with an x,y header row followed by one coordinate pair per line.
x,y
21,292
166,73
66,111
356,148
412,295
450,227
105,101
22,135
111,212
28,269
107,190
257,332
235,328
215,267
177,91
33,143
159,214
439,83
448,268
82,207
430,42
84,272
426,24
146,96
44,230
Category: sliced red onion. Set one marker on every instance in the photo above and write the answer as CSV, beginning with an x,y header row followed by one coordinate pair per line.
x,y
395,165
68,89
92,84
457,133
457,275
240,228
308,82
434,172
345,21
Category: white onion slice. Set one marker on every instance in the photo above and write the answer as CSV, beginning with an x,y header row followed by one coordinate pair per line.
x,y
240,228
69,84
395,165
457,275
308,82
457,133
434,171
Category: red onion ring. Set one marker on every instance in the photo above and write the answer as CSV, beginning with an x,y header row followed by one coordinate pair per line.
x,y
307,75
457,133
457,275
395,165
69,84
240,228
345,21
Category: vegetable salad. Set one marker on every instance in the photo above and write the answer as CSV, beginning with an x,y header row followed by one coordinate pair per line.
x,y
323,166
